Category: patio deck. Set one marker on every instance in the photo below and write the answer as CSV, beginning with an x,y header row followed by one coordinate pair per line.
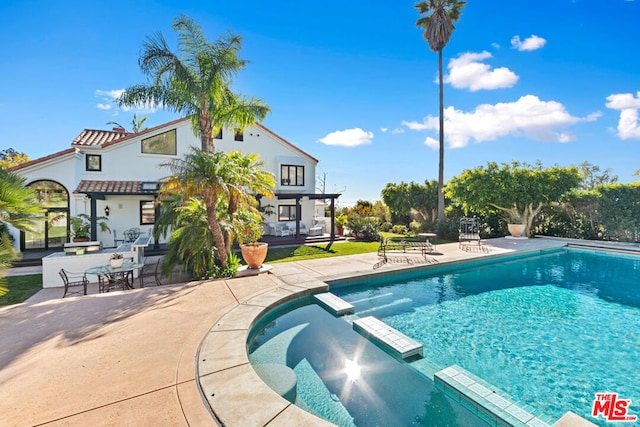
x,y
127,358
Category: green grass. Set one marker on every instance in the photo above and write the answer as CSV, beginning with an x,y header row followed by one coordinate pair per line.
x,y
21,288
299,253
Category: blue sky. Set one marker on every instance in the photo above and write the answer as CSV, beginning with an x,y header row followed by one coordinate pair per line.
x,y
352,83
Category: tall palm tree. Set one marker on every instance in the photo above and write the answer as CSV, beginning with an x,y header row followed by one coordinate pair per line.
x,y
223,182
196,82
438,27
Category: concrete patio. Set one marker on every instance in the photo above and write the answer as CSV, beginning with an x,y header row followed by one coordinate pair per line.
x,y
129,358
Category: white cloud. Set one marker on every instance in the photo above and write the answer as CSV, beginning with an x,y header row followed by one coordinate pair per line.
x,y
495,45
530,43
628,104
397,131
528,116
383,130
348,138
432,143
467,71
110,96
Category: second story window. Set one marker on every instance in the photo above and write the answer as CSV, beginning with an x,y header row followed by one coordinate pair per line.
x,y
239,136
165,143
291,175
94,162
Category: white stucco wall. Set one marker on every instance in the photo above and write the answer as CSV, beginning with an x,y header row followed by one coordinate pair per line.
x,y
124,161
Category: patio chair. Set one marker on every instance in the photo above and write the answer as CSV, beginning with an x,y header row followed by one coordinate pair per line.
x,y
149,276
469,231
131,234
73,280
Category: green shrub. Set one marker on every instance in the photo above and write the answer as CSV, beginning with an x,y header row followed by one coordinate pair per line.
x,y
399,229
386,226
448,229
414,226
365,228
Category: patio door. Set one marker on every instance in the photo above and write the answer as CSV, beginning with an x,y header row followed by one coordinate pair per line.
x,y
48,233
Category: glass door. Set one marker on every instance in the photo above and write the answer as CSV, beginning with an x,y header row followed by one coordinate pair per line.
x,y
49,232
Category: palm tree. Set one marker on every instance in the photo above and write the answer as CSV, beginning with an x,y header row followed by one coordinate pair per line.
x,y
224,183
438,27
196,82
136,125
18,207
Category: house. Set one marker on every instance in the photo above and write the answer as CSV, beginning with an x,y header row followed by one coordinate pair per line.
x,y
118,174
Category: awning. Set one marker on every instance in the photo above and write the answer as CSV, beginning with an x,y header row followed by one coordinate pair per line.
x,y
99,189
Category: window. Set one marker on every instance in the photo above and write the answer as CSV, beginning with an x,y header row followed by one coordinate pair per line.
x,y
94,162
239,136
219,135
147,212
165,143
291,175
286,212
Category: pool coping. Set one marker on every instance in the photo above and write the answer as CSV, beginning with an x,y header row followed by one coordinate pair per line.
x,y
233,392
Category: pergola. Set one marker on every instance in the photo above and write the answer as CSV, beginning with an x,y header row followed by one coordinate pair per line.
x,y
312,196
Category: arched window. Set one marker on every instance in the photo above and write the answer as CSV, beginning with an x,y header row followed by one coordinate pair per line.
x,y
52,230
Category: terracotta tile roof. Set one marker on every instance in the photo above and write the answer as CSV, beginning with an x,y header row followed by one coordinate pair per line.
x,y
93,137
111,187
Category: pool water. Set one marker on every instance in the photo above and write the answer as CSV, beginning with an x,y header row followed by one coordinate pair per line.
x,y
549,330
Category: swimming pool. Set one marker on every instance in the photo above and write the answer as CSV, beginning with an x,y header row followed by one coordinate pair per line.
x,y
550,330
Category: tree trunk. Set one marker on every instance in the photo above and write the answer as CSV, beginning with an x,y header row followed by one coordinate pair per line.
x,y
441,160
216,230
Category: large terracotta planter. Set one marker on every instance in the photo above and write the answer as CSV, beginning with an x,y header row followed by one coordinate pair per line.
x,y
254,255
516,230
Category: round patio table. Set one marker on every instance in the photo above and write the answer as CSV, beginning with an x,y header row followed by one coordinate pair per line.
x,y
119,275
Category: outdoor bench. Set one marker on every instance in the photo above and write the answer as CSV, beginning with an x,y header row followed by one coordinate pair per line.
x,y
387,245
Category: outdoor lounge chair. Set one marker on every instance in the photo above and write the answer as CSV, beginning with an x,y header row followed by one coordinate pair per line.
x,y
469,231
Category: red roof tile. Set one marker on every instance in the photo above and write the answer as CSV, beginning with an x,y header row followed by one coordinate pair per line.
x,y
94,137
111,187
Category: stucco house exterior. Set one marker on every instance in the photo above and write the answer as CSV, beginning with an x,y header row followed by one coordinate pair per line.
x,y
117,174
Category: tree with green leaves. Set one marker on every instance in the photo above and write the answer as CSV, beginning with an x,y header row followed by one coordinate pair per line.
x,y
438,27
18,207
10,158
196,81
136,124
224,183
593,176
404,198
519,190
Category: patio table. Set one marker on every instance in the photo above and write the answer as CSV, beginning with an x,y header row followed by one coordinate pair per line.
x,y
118,274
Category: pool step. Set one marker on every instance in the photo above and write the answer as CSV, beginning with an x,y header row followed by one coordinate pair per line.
x,y
385,335
334,304
484,399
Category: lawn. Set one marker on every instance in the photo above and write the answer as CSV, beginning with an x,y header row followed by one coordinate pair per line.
x,y
21,288
299,253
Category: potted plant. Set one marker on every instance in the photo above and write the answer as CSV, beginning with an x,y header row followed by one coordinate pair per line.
x,y
81,226
516,225
116,260
340,221
248,229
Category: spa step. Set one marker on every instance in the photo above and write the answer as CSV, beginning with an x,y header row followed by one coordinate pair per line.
x,y
334,304
386,336
484,399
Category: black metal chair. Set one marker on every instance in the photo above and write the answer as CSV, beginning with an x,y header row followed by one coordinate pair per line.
x,y
73,280
150,274
469,231
131,234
